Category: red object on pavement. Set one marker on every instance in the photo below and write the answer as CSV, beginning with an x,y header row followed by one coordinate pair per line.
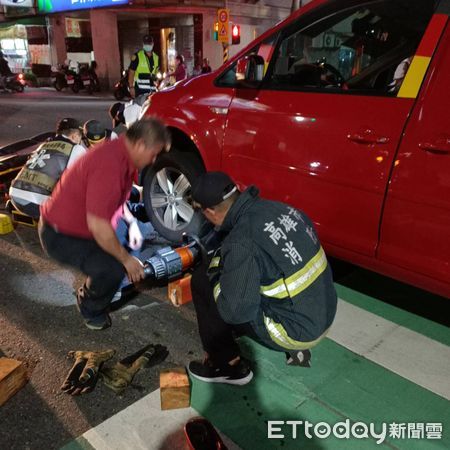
x,y
201,435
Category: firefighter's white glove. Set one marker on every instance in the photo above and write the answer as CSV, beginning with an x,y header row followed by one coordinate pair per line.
x,y
135,238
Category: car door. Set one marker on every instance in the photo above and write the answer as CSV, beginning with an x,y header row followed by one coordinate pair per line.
x,y
415,234
321,132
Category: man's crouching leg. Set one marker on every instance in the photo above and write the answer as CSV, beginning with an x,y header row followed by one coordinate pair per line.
x,y
105,275
223,363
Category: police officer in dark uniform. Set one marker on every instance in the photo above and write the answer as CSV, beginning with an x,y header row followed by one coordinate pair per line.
x,y
35,182
143,68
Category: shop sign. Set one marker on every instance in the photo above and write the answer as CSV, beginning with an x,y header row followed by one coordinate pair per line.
x,y
73,27
51,6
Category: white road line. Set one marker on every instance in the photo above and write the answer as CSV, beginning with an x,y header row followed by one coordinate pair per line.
x,y
143,426
407,353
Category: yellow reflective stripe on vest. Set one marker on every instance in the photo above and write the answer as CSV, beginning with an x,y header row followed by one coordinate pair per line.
x,y
58,146
279,335
299,281
214,262
36,178
216,291
144,67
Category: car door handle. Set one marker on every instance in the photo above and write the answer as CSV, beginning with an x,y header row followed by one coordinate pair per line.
x,y
367,138
441,146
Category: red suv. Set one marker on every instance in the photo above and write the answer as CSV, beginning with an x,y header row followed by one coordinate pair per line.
x,y
342,111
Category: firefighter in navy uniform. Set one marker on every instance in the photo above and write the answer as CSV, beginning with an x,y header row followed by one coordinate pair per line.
x,y
143,68
35,182
270,280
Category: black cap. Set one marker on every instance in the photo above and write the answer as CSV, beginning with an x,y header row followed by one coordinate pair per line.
x,y
68,123
212,188
147,39
94,131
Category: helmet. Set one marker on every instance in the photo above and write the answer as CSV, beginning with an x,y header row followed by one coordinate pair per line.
x,y
94,132
66,124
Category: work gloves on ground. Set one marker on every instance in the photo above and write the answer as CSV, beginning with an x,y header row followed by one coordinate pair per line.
x,y
84,373
121,374
88,367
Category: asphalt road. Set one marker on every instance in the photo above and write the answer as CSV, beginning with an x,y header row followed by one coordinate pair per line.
x,y
39,322
37,110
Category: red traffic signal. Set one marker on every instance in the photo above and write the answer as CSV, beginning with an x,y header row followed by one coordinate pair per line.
x,y
235,35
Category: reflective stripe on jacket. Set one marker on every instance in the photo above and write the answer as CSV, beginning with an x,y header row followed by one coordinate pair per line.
x,y
274,273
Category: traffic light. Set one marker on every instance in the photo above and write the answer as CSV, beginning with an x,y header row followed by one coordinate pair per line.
x,y
216,31
235,34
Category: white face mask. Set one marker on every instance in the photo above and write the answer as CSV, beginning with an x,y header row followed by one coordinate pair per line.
x,y
148,47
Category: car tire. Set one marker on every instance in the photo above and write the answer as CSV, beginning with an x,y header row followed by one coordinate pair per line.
x,y
167,194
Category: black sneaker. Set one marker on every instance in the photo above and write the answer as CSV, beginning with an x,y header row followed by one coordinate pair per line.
x,y
300,358
239,374
96,322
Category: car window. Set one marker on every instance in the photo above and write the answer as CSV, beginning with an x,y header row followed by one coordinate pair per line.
x,y
365,48
264,49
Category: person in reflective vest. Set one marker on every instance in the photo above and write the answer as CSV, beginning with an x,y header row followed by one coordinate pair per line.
x,y
35,182
143,68
270,280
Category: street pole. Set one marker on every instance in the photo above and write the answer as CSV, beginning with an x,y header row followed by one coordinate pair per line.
x,y
225,44
296,4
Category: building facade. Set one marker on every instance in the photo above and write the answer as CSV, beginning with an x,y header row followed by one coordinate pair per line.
x,y
110,34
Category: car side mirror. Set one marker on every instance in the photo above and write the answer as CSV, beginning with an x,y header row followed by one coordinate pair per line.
x,y
250,70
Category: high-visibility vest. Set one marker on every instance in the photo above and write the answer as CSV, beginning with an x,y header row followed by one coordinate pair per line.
x,y
35,182
143,70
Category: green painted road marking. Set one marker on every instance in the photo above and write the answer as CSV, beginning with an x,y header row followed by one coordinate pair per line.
x,y
78,444
423,326
340,385
351,379
399,349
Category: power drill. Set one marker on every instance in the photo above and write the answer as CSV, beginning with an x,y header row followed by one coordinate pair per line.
x,y
170,263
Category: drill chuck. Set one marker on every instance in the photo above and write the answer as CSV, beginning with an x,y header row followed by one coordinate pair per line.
x,y
168,263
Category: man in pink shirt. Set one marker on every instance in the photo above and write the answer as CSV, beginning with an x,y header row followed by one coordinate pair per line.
x,y
75,227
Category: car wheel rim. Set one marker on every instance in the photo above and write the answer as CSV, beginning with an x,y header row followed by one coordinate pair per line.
x,y
171,199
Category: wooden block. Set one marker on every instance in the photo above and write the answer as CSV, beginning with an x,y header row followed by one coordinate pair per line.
x,y
179,291
13,376
175,388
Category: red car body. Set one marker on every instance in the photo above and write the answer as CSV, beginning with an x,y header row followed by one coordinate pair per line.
x,y
372,171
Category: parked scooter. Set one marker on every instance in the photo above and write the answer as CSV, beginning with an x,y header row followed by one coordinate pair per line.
x,y
14,82
82,80
62,77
